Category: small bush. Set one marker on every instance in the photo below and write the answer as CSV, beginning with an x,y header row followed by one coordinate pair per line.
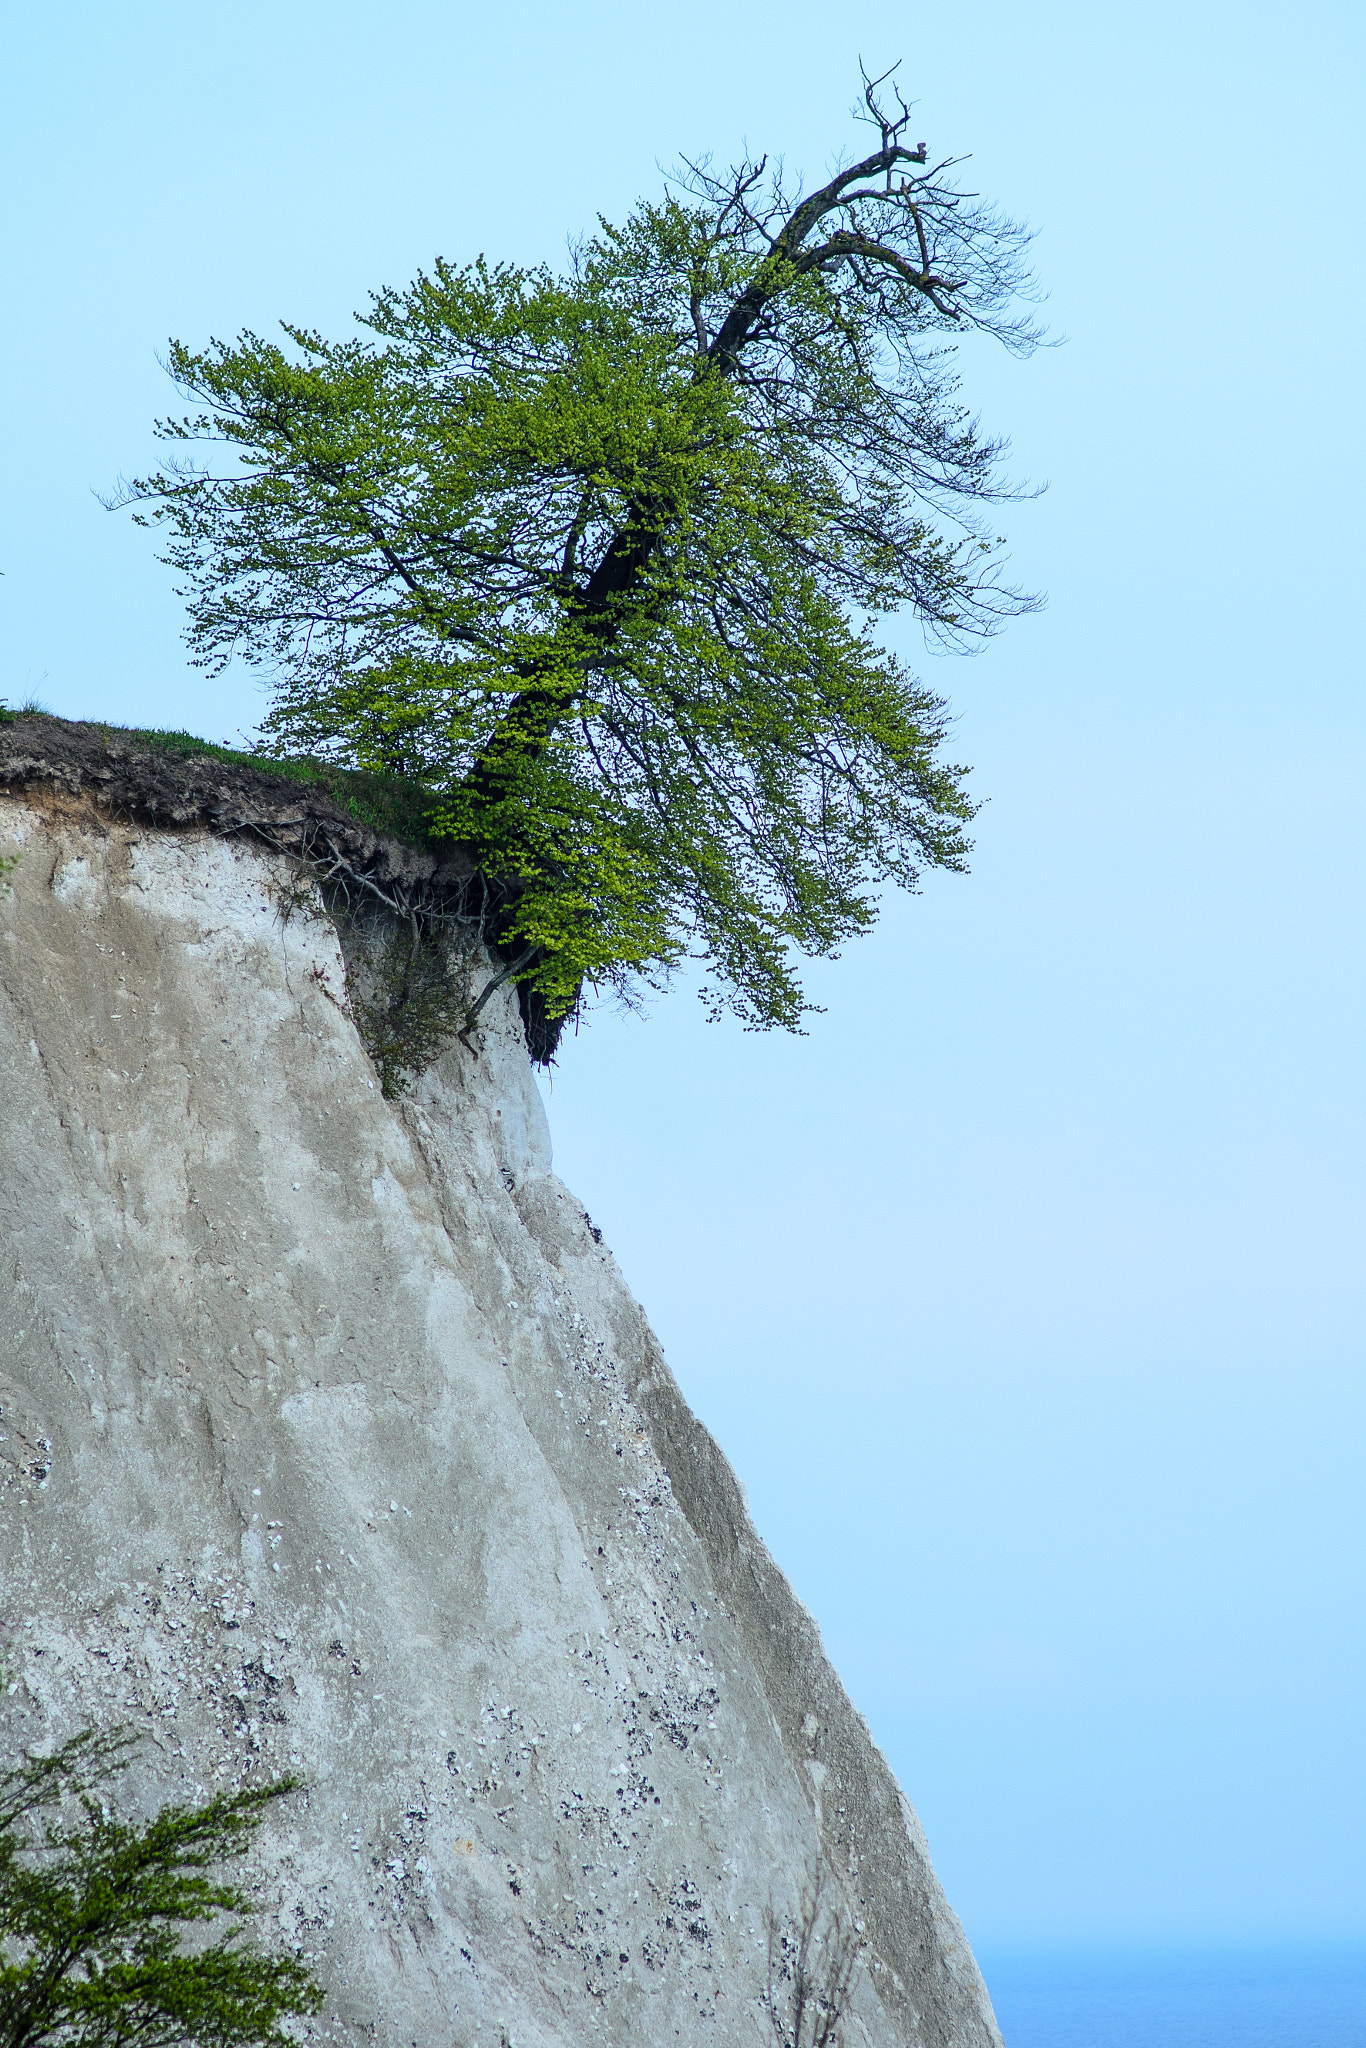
x,y
93,1912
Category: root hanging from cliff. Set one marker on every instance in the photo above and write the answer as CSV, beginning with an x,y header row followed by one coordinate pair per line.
x,y
457,915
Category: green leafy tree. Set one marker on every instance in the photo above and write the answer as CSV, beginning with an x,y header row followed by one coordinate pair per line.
x,y
93,1913
601,558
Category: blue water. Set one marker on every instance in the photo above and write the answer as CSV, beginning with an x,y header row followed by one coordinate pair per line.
x,y
1302,2000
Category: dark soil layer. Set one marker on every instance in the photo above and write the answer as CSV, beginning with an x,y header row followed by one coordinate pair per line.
x,y
370,828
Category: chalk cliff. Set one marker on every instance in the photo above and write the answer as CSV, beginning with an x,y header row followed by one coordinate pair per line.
x,y
333,1440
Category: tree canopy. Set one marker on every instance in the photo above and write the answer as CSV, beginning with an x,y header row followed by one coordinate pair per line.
x,y
601,557
93,1911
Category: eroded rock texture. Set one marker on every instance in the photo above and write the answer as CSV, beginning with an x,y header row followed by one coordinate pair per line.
x,y
333,1441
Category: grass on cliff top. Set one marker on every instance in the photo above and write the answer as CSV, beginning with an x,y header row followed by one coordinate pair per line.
x,y
390,804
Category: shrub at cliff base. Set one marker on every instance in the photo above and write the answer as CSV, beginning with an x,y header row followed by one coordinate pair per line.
x,y
94,1909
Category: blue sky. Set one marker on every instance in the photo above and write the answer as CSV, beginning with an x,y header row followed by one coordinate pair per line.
x,y
1025,1291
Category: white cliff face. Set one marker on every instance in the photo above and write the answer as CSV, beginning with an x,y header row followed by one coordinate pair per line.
x,y
333,1442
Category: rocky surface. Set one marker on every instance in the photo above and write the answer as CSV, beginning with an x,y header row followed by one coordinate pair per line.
x,y
333,1441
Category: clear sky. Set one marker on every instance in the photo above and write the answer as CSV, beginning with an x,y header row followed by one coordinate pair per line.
x,y
1026,1292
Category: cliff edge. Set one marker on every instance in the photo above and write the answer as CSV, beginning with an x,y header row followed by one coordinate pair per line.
x,y
332,1440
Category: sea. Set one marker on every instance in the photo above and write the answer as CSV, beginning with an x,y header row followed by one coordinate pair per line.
x,y
1301,1998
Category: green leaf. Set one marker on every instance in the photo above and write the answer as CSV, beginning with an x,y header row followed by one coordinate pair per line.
x,y
589,565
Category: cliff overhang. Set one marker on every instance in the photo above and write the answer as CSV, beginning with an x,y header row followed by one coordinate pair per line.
x,y
362,838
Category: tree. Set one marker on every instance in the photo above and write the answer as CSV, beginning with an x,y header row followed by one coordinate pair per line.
x,y
601,558
92,1913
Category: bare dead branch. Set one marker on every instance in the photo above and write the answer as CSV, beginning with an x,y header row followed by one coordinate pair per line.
x,y
811,1964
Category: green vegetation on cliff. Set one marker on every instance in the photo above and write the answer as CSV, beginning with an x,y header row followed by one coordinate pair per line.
x,y
594,564
397,805
93,1910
